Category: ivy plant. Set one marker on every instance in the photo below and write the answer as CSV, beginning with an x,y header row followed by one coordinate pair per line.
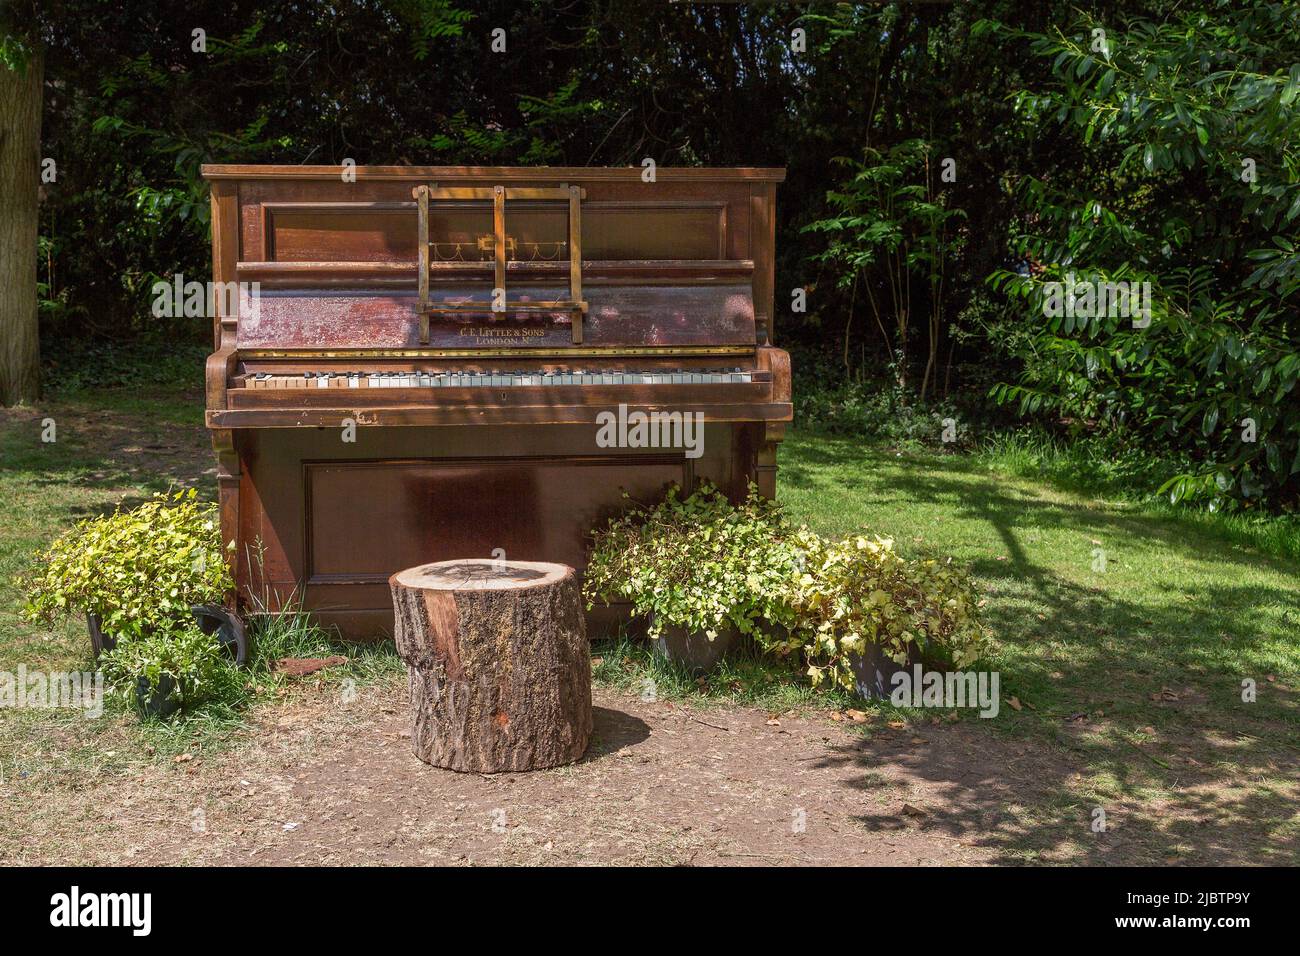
x,y
138,570
859,592
697,562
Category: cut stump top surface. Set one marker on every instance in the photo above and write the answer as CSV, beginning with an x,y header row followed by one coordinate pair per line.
x,y
481,574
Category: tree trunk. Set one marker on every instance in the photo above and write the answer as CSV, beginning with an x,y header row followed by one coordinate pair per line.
x,y
498,663
20,159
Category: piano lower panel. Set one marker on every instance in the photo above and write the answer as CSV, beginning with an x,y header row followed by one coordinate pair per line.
x,y
334,520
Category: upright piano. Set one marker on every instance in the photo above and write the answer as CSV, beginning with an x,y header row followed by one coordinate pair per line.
x,y
414,364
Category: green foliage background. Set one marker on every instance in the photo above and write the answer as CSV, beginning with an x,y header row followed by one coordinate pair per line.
x,y
1120,165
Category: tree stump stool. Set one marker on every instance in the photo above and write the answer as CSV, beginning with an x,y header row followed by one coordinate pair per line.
x,y
498,662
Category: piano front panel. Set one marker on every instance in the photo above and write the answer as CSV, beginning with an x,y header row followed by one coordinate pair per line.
x,y
692,229
332,227
288,218
335,519
620,315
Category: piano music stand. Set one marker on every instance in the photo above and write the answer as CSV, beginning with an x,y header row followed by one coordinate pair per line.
x,y
499,196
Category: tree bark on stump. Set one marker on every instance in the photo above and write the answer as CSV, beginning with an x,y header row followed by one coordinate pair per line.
x,y
498,663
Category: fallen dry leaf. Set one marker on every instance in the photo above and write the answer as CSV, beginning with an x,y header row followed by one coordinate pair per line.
x,y
1014,703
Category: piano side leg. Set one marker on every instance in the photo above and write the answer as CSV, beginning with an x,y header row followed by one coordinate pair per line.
x,y
765,465
228,475
754,448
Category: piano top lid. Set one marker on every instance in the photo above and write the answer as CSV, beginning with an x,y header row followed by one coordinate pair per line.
x,y
525,174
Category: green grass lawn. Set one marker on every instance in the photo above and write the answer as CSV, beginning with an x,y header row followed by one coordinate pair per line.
x,y
1133,671
1137,665
1174,603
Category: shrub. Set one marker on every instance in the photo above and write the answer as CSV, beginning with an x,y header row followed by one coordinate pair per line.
x,y
138,571
1172,124
859,591
869,403
704,564
699,563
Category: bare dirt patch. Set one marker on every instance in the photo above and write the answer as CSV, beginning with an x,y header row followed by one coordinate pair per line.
x,y
318,782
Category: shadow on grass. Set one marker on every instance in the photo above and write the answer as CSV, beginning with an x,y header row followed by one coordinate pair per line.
x,y
1012,800
102,446
1138,689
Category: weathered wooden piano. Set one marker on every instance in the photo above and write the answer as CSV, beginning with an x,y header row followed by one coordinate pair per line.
x,y
419,358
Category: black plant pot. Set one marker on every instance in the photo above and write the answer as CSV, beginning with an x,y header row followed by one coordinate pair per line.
x,y
874,670
211,618
160,701
99,641
693,650
226,625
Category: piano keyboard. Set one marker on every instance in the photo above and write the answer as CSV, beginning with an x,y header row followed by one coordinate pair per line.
x,y
493,379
